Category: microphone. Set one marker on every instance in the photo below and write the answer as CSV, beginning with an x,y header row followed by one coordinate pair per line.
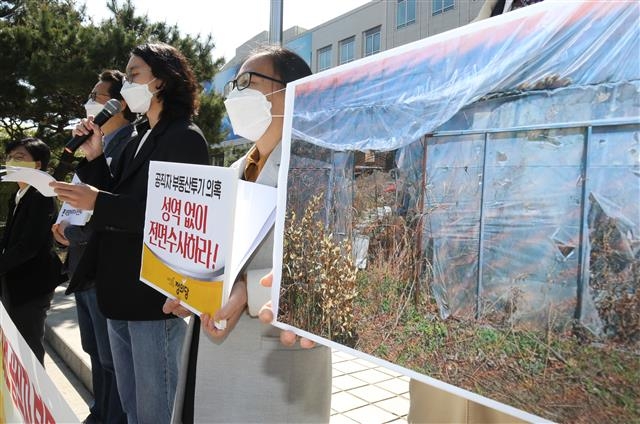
x,y
111,108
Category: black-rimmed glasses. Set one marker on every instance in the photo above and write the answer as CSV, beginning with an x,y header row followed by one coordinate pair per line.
x,y
244,80
93,95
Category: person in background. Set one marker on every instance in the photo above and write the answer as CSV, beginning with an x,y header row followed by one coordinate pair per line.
x,y
145,342
118,130
30,269
243,373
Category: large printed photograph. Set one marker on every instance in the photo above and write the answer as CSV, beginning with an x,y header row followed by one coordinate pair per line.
x,y
486,237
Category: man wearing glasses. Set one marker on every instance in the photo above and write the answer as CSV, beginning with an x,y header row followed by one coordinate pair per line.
x,y
117,131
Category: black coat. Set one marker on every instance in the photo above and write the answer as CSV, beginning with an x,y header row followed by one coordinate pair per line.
x,y
28,263
113,254
79,235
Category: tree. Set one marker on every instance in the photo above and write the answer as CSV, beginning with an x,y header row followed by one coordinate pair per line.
x,y
52,53
209,117
44,73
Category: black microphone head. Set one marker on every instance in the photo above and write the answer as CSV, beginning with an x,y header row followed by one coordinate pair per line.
x,y
110,108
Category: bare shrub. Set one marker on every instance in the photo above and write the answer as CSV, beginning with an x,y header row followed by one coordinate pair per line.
x,y
319,278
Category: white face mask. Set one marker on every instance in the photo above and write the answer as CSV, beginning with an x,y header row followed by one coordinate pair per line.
x,y
249,112
138,96
93,108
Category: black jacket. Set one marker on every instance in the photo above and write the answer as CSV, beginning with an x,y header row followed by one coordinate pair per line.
x,y
79,235
113,254
28,264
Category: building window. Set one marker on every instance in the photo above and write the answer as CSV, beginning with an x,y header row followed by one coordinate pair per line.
x,y
324,58
405,13
347,50
372,41
440,6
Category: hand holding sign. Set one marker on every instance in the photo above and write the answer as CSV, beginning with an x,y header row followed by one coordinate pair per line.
x,y
287,338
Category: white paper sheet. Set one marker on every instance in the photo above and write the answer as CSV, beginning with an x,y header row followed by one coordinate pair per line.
x,y
256,209
34,177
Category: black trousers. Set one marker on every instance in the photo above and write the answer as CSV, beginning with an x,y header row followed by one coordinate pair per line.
x,y
29,318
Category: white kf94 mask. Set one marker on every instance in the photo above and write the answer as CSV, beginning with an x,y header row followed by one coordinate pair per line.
x,y
249,112
93,108
138,96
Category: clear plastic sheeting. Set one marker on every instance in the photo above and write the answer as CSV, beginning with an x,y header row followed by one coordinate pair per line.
x,y
394,98
612,235
539,226
506,237
516,147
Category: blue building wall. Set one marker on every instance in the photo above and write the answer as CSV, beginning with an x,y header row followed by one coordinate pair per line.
x,y
302,46
220,79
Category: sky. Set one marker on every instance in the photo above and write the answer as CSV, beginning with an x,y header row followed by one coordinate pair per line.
x,y
230,22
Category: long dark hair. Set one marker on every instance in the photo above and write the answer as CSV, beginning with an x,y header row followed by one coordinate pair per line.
x,y
179,92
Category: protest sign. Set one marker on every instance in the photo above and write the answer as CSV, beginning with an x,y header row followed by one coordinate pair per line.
x,y
27,394
192,250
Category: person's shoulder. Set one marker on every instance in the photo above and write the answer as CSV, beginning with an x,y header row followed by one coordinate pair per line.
x,y
189,131
126,131
122,135
186,126
240,163
182,134
185,142
192,127
34,196
33,192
